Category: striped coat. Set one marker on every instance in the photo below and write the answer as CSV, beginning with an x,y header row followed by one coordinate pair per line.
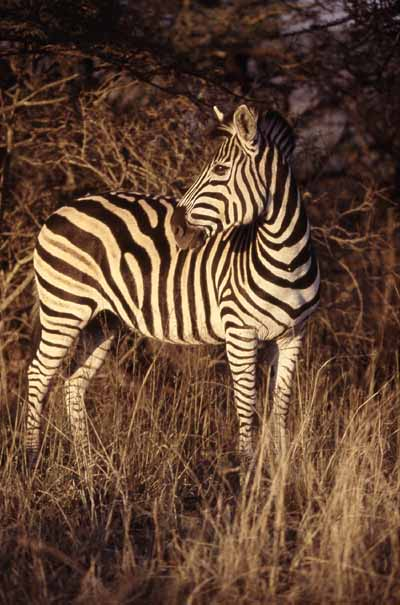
x,y
231,263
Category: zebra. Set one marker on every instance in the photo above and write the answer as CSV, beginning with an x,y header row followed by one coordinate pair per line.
x,y
231,262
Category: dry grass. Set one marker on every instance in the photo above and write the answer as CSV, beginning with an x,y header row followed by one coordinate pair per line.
x,y
162,518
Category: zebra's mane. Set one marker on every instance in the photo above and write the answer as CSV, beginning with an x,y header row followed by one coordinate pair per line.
x,y
276,131
273,127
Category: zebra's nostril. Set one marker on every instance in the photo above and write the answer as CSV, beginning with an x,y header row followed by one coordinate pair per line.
x,y
179,216
178,222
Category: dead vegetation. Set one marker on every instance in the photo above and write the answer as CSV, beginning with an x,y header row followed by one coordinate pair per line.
x,y
162,518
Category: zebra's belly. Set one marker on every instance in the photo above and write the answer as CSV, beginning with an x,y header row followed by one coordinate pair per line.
x,y
178,330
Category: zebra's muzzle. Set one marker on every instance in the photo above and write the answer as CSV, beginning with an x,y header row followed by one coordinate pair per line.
x,y
186,236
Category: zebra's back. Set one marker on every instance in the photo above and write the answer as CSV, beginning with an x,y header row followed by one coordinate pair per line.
x,y
116,252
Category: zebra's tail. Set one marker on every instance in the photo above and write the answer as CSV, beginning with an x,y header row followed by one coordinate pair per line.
x,y
36,326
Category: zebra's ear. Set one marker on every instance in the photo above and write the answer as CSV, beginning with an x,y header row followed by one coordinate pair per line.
x,y
219,114
276,131
245,123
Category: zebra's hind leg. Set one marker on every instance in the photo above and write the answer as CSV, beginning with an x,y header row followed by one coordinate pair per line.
x,y
92,349
284,364
55,337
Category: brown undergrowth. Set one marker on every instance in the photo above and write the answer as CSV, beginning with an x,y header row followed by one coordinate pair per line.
x,y
162,517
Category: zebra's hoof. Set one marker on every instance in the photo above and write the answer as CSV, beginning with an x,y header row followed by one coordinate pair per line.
x,y
31,459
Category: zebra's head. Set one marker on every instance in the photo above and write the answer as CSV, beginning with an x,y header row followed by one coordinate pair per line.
x,y
234,188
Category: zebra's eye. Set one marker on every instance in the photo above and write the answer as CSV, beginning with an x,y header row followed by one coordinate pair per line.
x,y
220,169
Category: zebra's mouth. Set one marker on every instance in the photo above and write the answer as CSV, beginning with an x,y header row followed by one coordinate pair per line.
x,y
186,236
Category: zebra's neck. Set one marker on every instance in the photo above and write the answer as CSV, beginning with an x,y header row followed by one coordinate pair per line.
x,y
280,238
283,232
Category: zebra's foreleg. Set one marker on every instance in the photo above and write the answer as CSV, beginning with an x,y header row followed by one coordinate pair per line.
x,y
284,364
241,348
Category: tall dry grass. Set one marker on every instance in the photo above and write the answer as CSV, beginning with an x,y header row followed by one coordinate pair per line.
x,y
162,517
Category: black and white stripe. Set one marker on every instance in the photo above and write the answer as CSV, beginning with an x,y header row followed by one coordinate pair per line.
x,y
232,262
